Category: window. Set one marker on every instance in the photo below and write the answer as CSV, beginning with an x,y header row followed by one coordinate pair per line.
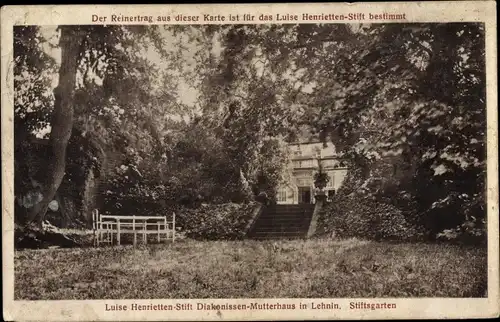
x,y
282,195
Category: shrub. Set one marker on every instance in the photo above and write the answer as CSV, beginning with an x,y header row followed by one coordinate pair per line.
x,y
213,222
128,191
472,232
359,216
143,198
321,178
264,199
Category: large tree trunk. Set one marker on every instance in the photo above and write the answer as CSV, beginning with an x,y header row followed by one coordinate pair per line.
x,y
62,120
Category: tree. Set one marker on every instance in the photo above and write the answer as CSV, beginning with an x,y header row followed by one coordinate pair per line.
x,y
62,118
33,101
381,93
112,88
392,96
244,98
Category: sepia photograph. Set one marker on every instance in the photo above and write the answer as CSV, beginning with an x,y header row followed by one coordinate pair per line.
x,y
250,162
318,160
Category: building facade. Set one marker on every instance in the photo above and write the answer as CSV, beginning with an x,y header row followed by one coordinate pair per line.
x,y
306,159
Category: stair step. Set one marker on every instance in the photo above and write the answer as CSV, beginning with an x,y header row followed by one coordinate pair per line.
x,y
290,209
279,234
278,230
275,238
280,225
284,225
304,205
301,215
281,211
287,214
283,222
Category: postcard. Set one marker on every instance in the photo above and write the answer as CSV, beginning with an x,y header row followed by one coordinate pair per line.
x,y
250,161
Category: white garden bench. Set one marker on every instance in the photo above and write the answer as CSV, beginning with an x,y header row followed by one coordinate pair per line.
x,y
107,228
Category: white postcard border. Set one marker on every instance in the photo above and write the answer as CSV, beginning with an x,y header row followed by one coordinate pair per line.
x,y
443,11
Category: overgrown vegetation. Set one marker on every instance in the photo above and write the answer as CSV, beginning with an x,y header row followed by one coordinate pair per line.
x,y
250,269
403,107
350,216
382,210
216,222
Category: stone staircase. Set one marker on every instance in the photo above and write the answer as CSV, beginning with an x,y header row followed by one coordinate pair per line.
x,y
282,222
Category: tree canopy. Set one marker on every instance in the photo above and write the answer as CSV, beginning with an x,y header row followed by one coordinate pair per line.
x,y
404,103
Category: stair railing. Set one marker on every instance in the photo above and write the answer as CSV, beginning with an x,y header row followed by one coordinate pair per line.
x,y
249,229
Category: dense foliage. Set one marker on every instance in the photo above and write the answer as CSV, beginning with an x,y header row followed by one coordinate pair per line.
x,y
215,222
350,216
356,212
404,104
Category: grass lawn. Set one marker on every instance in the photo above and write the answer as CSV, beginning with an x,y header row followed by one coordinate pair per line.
x,y
235,269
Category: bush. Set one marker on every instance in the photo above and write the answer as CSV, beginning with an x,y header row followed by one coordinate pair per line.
x,y
128,191
145,199
471,232
359,216
214,222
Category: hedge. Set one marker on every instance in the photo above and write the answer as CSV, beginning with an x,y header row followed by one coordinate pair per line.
x,y
359,216
215,221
